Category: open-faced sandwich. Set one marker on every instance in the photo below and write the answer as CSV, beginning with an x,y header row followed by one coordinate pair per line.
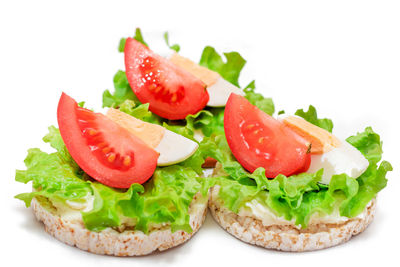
x,y
288,183
118,183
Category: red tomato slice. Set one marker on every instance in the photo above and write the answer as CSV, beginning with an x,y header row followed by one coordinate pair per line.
x,y
258,140
103,149
172,92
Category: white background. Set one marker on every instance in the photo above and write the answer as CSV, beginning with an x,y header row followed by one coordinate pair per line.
x,y
341,56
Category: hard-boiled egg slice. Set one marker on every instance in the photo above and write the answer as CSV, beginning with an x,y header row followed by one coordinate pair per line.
x,y
173,148
327,151
343,159
217,87
321,140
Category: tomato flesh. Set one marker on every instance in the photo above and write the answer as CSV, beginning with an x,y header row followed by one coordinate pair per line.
x,y
103,149
258,140
172,92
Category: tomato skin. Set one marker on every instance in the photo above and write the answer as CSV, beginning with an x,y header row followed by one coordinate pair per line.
x,y
172,92
258,140
306,165
88,153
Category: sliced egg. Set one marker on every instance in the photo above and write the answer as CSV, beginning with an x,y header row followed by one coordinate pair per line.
x,y
173,148
220,91
321,140
217,87
343,159
327,151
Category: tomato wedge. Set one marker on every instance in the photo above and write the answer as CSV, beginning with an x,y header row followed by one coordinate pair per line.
x,y
103,149
258,140
172,92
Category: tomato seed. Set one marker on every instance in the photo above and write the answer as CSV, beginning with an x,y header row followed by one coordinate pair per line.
x,y
106,150
111,157
127,161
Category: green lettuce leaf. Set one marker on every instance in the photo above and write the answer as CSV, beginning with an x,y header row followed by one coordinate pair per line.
x,y
369,143
122,92
209,121
105,212
374,178
201,120
311,116
175,47
163,199
229,70
121,45
166,197
140,111
57,175
138,37
263,103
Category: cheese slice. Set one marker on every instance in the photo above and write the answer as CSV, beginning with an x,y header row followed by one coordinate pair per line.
x,y
217,87
321,140
173,148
